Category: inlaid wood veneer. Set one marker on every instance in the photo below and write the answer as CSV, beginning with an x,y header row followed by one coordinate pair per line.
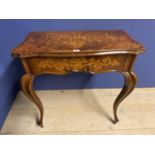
x,y
79,51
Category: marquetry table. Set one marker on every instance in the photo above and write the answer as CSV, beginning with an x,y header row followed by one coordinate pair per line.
x,y
77,51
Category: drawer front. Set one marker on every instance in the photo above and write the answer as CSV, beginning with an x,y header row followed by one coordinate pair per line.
x,y
95,64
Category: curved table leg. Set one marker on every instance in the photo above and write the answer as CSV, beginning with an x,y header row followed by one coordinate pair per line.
x,y
27,87
129,85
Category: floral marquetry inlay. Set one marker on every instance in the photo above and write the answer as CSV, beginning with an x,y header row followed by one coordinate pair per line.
x,y
80,64
109,62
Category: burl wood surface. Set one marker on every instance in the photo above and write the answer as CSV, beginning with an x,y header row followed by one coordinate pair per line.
x,y
86,51
51,43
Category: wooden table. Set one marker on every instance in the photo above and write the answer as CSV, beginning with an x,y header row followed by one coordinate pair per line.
x,y
79,51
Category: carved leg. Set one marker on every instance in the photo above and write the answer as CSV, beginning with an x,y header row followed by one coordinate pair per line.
x,y
27,87
129,85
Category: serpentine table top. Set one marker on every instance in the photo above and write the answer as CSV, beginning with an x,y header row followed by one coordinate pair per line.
x,y
77,51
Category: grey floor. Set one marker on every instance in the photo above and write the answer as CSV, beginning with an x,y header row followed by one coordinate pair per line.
x,y
84,112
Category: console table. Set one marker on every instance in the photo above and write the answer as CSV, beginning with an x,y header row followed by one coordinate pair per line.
x,y
77,51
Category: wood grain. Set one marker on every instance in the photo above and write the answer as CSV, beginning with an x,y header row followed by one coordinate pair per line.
x,y
81,64
51,43
80,51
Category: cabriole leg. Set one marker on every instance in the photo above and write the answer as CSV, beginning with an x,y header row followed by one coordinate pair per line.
x,y
27,87
129,85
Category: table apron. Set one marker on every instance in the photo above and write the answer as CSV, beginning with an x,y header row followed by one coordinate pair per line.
x,y
91,64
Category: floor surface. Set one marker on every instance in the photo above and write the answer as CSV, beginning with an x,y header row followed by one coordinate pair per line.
x,y
84,112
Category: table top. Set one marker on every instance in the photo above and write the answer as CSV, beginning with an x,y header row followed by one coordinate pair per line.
x,y
77,43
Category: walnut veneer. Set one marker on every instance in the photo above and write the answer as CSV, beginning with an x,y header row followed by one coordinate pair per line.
x,y
80,51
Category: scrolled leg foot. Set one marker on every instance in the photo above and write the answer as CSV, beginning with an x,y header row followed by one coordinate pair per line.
x,y
129,85
27,87
40,123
